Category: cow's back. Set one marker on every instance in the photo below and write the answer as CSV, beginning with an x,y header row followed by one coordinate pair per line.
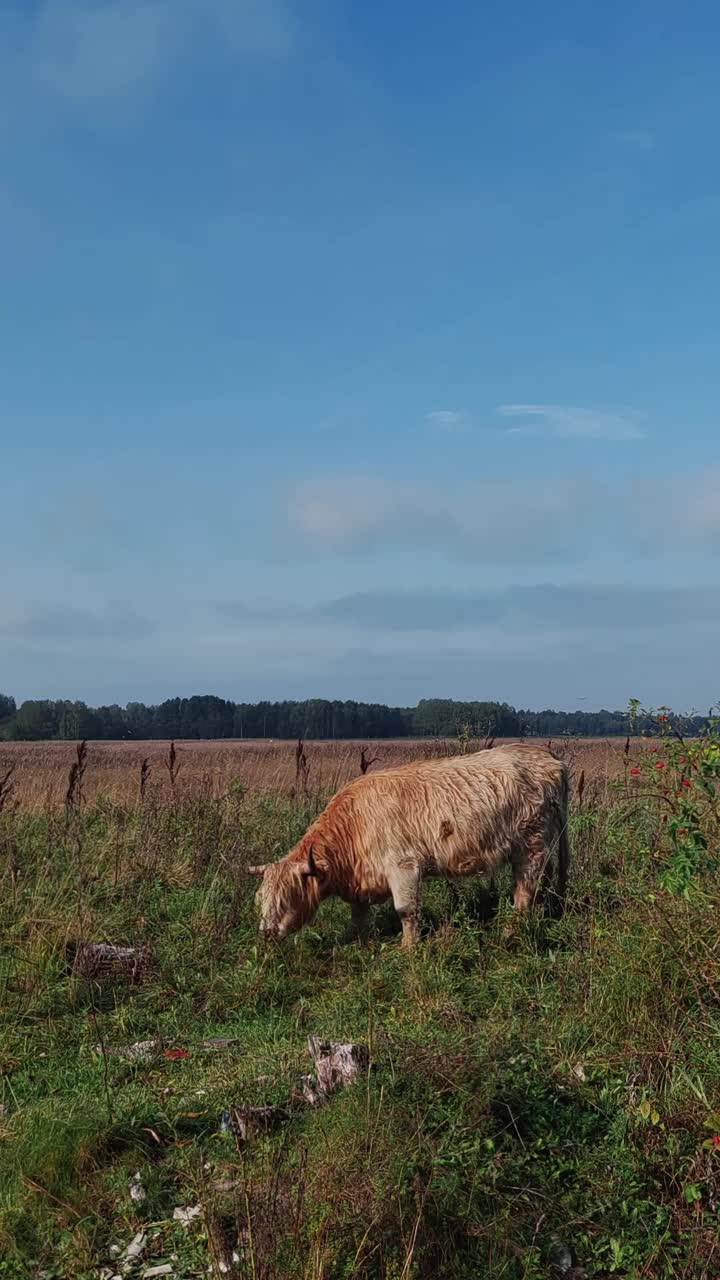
x,y
455,815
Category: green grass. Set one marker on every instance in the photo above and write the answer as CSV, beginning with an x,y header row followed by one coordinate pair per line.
x,y
561,1084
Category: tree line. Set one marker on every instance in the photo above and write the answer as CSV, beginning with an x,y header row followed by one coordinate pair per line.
x,y
210,717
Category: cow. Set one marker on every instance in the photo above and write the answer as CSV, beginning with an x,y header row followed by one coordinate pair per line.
x,y
384,832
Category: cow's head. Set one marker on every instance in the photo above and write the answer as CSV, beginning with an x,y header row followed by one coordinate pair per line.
x,y
288,896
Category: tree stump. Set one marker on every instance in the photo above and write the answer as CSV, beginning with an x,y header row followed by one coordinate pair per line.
x,y
336,1063
104,961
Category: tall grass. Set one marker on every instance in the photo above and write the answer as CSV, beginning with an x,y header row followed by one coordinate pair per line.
x,y
564,1087
209,769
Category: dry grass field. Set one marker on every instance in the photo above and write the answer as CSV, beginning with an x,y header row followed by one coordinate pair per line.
x,y
210,768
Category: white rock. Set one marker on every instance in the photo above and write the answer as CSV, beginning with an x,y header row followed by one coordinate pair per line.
x,y
135,1248
164,1270
186,1215
137,1190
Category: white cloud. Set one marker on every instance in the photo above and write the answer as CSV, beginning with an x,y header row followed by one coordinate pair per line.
x,y
571,421
528,666
636,139
702,506
64,622
561,516
447,419
93,51
503,519
680,508
545,605
80,51
251,26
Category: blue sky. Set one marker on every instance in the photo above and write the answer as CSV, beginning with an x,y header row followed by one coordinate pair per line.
x,y
360,350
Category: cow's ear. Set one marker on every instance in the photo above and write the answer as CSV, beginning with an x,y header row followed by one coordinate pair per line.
x,y
312,871
258,870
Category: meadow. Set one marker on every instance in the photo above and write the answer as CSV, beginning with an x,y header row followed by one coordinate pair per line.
x,y
540,1105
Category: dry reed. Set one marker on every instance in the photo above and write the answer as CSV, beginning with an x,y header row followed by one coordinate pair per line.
x,y
38,771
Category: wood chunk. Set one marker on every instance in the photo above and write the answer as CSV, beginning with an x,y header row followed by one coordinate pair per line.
x,y
141,1051
218,1044
337,1063
101,961
310,1090
244,1121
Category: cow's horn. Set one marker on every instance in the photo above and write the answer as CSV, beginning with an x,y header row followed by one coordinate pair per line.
x,y
258,870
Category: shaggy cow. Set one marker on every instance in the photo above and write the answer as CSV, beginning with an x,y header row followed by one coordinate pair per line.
x,y
384,832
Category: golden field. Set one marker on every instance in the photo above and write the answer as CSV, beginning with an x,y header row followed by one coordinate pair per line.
x,y
208,768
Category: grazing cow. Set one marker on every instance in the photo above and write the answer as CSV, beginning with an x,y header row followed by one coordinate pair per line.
x,y
384,832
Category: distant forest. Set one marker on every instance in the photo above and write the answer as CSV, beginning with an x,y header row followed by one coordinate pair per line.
x,y
210,717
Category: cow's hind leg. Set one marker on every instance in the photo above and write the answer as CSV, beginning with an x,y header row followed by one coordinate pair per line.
x,y
405,890
453,897
360,919
531,872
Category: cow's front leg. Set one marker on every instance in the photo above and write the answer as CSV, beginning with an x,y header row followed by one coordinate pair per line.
x,y
405,890
360,919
